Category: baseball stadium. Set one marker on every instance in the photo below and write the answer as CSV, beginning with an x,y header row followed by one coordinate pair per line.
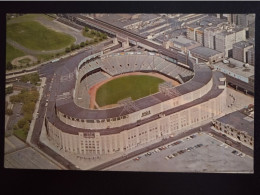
x,y
108,103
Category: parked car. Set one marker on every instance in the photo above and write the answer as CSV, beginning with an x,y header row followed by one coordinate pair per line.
x,y
175,154
181,151
178,142
241,154
189,149
235,152
192,136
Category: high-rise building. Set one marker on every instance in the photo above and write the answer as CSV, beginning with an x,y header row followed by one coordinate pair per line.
x,y
210,36
195,31
240,50
225,39
251,56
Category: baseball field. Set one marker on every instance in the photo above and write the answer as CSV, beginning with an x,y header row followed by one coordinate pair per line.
x,y
134,86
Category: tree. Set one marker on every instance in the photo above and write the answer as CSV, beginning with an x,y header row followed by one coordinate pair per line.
x,y
28,117
21,123
104,36
82,44
9,66
15,99
9,111
8,90
77,46
93,32
28,108
86,29
26,127
72,47
33,78
67,49
15,127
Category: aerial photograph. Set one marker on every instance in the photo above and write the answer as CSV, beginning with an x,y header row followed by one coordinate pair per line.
x,y
132,92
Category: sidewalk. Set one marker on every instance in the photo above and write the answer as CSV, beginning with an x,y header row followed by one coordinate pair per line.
x,y
36,110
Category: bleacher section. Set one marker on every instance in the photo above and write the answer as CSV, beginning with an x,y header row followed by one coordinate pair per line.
x,y
116,64
95,78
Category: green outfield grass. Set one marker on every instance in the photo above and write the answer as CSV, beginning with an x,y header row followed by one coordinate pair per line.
x,y
135,86
35,36
12,53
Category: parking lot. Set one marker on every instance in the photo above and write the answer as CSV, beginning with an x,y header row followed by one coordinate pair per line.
x,y
28,158
202,153
12,143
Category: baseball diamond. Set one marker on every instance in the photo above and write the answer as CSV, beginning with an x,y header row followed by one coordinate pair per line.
x,y
135,86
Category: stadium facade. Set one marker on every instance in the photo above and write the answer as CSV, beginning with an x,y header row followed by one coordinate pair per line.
x,y
73,127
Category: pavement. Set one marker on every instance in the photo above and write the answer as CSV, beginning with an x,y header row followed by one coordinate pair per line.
x,y
239,101
101,162
12,143
28,158
211,157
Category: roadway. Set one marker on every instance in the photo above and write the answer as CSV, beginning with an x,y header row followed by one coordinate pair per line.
x,y
131,36
49,93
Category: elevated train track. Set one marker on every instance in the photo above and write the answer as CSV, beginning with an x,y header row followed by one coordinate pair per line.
x,y
116,30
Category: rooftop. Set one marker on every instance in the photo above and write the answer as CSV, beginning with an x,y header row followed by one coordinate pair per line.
x,y
236,67
182,41
242,44
240,121
123,20
204,52
207,22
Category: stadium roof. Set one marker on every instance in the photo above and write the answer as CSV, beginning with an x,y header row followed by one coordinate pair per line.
x,y
214,92
202,76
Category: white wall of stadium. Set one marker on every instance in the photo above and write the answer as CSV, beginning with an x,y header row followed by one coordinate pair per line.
x,y
173,124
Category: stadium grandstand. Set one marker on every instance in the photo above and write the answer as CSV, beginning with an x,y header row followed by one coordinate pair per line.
x,y
76,128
